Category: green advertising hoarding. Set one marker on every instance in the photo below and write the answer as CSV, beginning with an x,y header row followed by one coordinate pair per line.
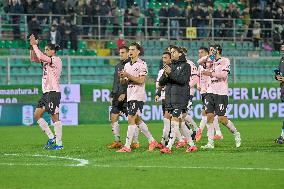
x,y
255,101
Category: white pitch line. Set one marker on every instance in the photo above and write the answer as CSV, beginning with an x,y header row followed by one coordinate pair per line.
x,y
184,167
82,162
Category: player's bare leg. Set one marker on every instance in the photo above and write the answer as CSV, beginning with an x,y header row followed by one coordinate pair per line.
x,y
44,126
130,133
226,122
57,130
166,129
218,134
202,125
145,130
115,130
210,132
187,133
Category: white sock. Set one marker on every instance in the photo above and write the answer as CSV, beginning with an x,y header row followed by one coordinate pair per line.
x,y
203,122
231,126
115,131
174,129
130,134
210,133
186,132
216,126
135,137
166,131
58,132
44,127
179,136
189,120
146,132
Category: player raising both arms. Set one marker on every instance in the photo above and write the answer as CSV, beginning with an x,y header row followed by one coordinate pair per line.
x,y
50,100
135,73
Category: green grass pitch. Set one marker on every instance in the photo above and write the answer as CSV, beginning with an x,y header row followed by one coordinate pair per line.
x,y
258,163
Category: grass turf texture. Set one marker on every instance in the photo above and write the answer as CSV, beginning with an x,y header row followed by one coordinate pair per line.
x,y
218,168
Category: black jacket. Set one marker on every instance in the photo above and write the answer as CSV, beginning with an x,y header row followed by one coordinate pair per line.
x,y
177,84
281,68
117,87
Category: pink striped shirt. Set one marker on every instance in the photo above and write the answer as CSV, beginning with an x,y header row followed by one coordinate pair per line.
x,y
193,80
204,81
219,80
136,91
51,71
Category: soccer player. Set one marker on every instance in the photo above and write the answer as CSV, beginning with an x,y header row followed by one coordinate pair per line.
x,y
193,80
280,77
176,79
216,100
202,86
50,100
167,116
135,73
160,94
118,101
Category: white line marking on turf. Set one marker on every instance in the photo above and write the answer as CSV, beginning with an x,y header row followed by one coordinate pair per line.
x,y
82,162
184,167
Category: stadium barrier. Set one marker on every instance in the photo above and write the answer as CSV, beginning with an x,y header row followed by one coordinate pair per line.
x,y
89,104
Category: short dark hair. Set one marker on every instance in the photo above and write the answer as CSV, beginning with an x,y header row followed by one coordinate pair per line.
x,y
204,48
168,53
54,47
124,47
177,48
138,46
217,47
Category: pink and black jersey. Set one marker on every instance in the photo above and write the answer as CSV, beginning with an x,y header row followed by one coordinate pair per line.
x,y
219,79
52,67
136,91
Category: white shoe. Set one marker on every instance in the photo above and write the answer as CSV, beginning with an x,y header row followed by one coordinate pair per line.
x,y
208,146
238,139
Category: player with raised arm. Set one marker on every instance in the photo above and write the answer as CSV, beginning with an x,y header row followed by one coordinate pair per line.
x,y
216,100
119,102
202,86
134,74
50,100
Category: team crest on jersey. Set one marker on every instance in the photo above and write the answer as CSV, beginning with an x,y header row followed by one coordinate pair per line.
x,y
178,68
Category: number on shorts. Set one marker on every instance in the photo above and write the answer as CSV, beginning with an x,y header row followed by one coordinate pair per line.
x,y
221,106
133,106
